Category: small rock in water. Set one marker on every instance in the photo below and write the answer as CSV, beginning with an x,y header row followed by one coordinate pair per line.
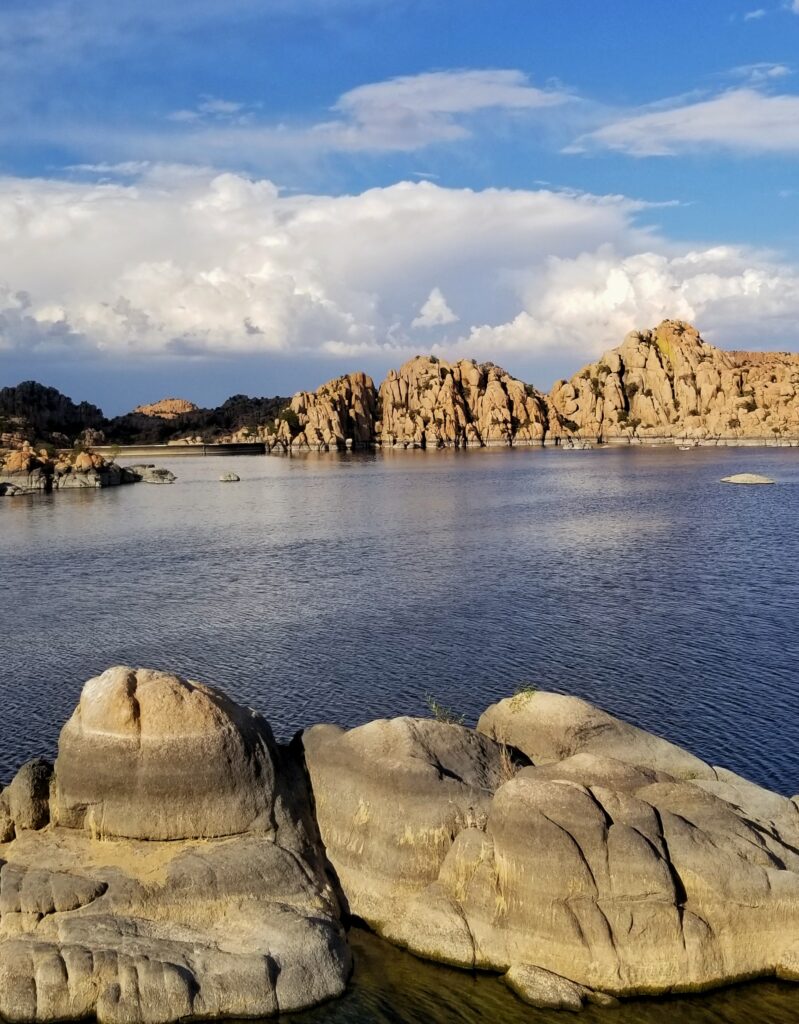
x,y
229,478
746,478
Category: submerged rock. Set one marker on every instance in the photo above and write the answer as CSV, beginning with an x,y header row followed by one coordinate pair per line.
x,y
151,474
618,865
181,876
746,478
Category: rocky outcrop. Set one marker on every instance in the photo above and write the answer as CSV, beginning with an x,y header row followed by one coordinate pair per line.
x,y
150,474
339,414
668,383
28,472
181,876
615,864
431,403
167,408
38,413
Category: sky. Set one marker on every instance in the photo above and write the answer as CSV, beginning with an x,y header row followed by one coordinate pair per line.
x,y
256,195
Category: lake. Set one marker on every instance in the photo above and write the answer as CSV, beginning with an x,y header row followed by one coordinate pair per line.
x,y
346,587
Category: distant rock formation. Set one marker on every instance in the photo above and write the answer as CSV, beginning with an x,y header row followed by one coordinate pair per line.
x,y
339,414
668,383
25,471
659,385
33,412
432,403
167,408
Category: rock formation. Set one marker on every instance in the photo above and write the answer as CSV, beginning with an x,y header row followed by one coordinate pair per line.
x,y
37,413
339,414
175,871
177,863
431,403
612,865
167,408
668,383
25,471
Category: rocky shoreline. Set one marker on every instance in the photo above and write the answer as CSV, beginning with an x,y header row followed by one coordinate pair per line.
x,y
29,472
178,863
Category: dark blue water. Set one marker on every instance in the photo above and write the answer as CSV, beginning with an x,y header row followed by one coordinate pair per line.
x,y
345,588
349,587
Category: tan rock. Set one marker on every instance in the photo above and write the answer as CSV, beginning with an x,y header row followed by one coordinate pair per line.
x,y
592,877
431,403
167,408
148,755
669,383
142,930
339,414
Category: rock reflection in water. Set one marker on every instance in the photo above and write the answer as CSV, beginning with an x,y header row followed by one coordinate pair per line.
x,y
390,986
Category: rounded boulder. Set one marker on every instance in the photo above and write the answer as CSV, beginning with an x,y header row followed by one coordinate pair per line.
x,y
148,755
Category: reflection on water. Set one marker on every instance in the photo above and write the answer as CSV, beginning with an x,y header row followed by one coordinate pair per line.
x,y
347,587
390,986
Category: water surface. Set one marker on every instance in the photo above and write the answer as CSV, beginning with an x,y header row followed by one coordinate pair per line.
x,y
348,587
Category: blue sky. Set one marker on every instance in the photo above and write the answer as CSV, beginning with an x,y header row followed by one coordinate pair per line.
x,y
257,194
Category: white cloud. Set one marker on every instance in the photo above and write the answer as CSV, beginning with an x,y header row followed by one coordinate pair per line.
x,y
435,312
755,15
761,72
738,297
744,120
192,263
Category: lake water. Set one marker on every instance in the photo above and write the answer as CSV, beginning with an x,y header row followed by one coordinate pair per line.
x,y
349,587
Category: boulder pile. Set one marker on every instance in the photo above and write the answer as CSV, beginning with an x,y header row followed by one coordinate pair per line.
x,y
177,863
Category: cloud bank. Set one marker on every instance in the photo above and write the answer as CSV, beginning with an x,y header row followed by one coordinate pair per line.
x,y
188,263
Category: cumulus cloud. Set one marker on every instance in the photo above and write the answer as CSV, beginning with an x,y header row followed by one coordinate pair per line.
x,y
745,120
435,312
195,264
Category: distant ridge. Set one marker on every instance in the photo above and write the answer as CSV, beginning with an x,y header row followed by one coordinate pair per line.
x,y
662,384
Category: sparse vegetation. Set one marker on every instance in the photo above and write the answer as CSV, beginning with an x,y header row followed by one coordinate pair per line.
x,y
441,712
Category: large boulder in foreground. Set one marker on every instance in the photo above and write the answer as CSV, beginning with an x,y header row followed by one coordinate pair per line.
x,y
592,874
147,755
181,876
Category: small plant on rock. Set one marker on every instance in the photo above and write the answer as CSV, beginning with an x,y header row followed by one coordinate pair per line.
x,y
441,712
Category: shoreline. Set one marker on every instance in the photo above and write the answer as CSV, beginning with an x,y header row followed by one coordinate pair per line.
x,y
576,444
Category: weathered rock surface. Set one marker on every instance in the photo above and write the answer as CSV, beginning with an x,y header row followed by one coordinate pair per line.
x,y
551,727
337,415
151,474
668,383
431,403
619,865
148,755
25,471
230,478
167,408
166,925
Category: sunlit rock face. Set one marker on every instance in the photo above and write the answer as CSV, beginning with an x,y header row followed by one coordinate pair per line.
x,y
174,872
432,403
166,408
668,382
336,415
587,859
